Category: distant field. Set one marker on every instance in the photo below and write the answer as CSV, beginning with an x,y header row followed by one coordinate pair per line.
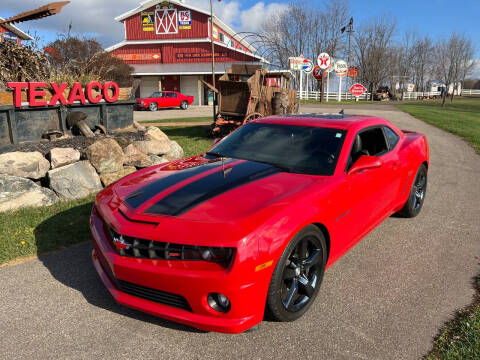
x,y
460,117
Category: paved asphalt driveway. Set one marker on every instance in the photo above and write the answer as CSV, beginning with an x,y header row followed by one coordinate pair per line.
x,y
386,299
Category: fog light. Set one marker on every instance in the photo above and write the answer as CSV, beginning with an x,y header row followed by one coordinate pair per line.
x,y
218,302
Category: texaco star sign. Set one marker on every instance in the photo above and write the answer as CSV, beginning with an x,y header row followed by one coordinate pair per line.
x,y
323,61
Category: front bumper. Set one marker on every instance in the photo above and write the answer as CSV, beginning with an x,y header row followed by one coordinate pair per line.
x,y
182,278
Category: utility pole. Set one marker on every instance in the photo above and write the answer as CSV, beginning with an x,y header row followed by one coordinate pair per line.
x,y
213,59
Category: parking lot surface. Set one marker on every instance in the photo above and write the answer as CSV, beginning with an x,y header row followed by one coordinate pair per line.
x,y
385,299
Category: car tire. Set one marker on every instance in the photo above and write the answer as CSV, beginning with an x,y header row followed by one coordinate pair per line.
x,y
414,204
184,105
297,276
153,106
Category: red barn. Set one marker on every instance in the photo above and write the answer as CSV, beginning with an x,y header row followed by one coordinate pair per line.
x,y
168,43
10,32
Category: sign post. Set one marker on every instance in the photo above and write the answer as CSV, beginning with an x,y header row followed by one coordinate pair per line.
x,y
341,70
329,70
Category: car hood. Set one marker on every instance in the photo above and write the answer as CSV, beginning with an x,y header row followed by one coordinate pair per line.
x,y
208,190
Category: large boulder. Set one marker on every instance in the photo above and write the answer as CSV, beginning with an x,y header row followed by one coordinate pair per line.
x,y
24,164
17,192
176,151
153,147
154,133
105,155
63,156
109,178
157,160
135,157
74,181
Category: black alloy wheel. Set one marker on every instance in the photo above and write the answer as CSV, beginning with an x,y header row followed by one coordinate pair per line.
x,y
297,276
414,204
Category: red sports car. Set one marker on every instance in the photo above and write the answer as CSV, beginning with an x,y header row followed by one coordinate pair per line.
x,y
214,241
164,99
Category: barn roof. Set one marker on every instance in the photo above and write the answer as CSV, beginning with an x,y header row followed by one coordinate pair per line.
x,y
13,29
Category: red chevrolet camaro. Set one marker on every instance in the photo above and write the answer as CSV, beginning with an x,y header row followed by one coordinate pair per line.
x,y
214,241
164,99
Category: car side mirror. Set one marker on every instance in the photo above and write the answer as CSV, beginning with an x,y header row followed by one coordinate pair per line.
x,y
365,162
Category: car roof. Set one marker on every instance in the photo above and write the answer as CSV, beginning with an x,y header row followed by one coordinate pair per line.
x,y
337,121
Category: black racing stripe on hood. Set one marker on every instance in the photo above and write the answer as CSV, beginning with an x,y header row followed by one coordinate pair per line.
x,y
140,196
210,186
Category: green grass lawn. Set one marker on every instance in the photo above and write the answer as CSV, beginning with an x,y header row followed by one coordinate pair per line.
x,y
193,139
460,338
460,117
34,231
180,120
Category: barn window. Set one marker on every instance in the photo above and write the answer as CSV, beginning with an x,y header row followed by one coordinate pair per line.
x,y
166,21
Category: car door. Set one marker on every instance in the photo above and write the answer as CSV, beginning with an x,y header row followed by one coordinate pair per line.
x,y
371,192
162,100
171,99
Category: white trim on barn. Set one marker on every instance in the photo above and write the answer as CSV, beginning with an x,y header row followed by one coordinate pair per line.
x,y
149,3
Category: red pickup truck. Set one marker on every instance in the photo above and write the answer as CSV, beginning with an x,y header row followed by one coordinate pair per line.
x,y
164,99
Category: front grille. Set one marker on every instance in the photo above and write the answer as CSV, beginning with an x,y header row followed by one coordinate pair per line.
x,y
157,296
155,250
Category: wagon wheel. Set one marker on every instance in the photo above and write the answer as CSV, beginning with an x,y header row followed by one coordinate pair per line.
x,y
252,116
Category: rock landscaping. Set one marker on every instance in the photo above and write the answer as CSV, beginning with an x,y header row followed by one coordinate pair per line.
x,y
40,174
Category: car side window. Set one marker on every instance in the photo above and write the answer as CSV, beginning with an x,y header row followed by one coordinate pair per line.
x,y
156,94
392,137
367,142
172,95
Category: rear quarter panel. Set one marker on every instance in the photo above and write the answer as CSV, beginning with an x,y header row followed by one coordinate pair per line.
x,y
413,152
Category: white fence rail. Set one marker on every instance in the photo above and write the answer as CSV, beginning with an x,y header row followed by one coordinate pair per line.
x,y
470,92
333,96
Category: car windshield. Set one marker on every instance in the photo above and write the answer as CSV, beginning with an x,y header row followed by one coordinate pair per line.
x,y
298,149
157,94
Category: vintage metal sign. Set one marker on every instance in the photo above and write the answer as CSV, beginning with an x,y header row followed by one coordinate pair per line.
x,y
296,63
199,55
317,73
8,36
323,61
94,92
357,89
184,20
307,66
148,21
133,57
341,68
352,71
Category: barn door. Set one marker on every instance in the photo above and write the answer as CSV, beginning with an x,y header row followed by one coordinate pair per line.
x,y
166,21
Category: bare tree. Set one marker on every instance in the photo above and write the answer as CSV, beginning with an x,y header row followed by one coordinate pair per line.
x,y
372,47
422,61
453,61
